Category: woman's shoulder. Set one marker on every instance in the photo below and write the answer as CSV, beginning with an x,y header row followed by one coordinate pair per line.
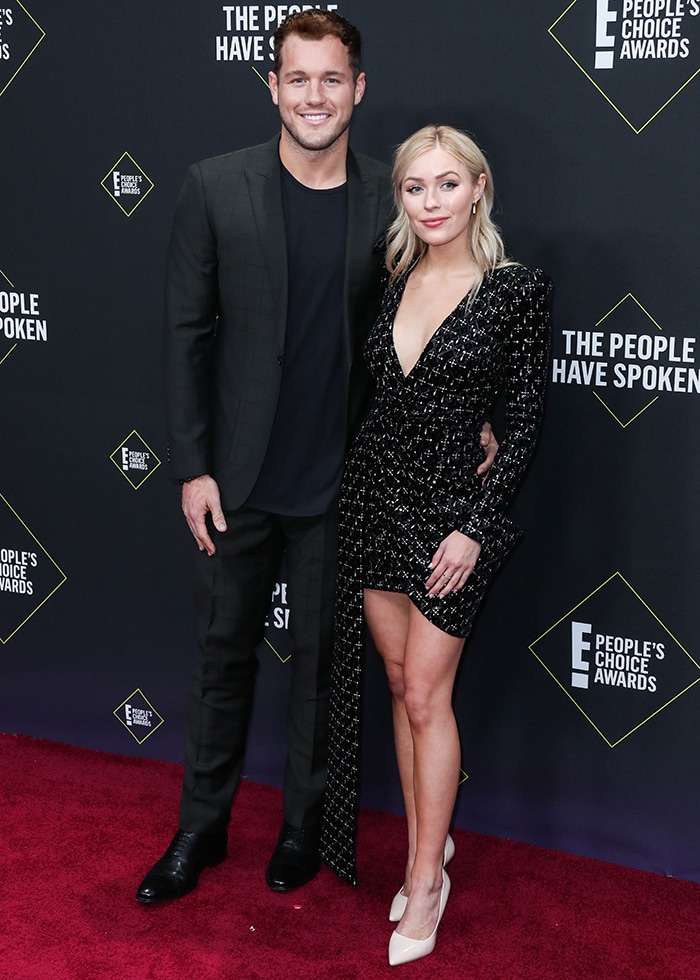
x,y
518,279
395,285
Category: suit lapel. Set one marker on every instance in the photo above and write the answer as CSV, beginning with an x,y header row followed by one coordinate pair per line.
x,y
265,190
363,208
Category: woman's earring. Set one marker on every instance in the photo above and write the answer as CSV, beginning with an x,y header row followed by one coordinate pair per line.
x,y
474,207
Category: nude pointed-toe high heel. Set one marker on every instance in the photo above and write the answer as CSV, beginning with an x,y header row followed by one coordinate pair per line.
x,y
398,905
403,949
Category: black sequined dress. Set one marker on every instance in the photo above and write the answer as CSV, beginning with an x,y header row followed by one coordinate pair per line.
x,y
411,479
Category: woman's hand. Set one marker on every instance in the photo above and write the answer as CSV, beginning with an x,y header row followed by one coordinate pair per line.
x,y
452,564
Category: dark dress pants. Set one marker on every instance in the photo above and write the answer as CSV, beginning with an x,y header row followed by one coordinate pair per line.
x,y
233,592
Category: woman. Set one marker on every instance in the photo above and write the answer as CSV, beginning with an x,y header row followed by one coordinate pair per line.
x,y
422,534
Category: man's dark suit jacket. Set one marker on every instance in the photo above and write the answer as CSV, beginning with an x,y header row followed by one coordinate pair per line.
x,y
226,309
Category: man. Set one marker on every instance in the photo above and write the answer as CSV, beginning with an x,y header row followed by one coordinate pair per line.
x,y
274,279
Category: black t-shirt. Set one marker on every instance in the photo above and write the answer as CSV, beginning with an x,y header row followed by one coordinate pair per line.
x,y
303,465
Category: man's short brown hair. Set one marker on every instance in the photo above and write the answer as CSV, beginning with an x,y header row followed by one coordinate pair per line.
x,y
314,25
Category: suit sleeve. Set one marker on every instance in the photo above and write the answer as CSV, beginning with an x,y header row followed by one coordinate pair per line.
x,y
527,345
191,305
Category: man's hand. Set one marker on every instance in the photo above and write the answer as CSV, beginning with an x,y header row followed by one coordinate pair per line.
x,y
199,497
487,441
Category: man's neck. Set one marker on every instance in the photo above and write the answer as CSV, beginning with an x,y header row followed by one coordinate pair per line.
x,y
319,169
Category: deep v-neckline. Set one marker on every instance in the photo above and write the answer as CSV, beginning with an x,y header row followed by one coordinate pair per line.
x,y
407,374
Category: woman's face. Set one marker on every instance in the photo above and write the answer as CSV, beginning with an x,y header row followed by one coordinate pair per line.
x,y
438,193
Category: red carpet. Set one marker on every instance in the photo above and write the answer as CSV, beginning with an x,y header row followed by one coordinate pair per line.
x,y
81,827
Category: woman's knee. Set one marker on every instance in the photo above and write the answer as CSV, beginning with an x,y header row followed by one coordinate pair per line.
x,y
395,678
421,706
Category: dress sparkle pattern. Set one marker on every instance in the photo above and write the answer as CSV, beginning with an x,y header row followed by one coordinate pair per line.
x,y
411,479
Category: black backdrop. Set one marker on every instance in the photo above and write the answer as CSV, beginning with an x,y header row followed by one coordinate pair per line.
x,y
577,699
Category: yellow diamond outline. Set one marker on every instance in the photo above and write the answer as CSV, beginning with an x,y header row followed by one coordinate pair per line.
x,y
568,693
283,660
153,730
550,31
135,486
10,283
43,35
142,197
463,777
56,566
601,400
260,76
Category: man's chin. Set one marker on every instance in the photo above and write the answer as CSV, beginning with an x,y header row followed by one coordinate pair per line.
x,y
314,141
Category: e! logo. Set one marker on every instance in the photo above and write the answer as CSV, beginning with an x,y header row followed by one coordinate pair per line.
x,y
579,666
604,16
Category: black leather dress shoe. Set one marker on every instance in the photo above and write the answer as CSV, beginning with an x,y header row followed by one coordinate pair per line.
x,y
295,859
178,871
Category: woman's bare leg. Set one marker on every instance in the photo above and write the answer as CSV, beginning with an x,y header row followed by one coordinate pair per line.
x,y
387,619
421,662
430,665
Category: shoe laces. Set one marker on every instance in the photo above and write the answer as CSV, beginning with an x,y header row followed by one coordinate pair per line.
x,y
180,843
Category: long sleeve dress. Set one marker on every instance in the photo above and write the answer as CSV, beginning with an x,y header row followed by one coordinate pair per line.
x,y
411,479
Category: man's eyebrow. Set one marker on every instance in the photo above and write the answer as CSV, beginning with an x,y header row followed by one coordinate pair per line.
x,y
302,71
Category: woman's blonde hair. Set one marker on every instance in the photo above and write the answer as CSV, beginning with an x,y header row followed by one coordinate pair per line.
x,y
484,238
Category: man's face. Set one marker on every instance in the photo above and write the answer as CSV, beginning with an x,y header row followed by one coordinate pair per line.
x,y
315,91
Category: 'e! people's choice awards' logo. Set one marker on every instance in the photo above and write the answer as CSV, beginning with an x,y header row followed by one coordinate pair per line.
x,y
127,184
639,54
616,660
20,35
29,576
135,459
138,716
